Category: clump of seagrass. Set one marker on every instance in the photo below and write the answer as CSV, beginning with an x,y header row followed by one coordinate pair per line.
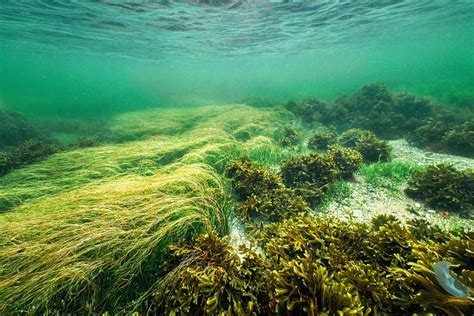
x,y
442,186
310,175
261,192
209,277
100,247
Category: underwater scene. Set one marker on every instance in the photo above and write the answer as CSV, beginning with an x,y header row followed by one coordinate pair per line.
x,y
228,157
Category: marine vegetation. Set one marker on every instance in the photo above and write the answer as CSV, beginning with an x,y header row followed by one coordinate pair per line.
x,y
442,186
321,140
309,265
26,153
261,192
309,110
289,137
375,108
166,137
85,231
261,102
209,277
365,142
311,174
459,139
250,178
101,246
14,129
317,268
273,205
302,286
390,175
143,227
380,220
445,136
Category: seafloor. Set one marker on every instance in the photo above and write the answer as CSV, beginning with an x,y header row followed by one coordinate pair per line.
x,y
240,209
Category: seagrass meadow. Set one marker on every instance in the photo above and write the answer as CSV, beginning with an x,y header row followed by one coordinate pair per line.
x,y
236,158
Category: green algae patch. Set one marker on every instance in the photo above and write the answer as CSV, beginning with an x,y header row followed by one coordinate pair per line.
x,y
389,175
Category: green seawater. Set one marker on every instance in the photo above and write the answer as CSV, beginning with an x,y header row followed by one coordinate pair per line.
x,y
88,58
220,157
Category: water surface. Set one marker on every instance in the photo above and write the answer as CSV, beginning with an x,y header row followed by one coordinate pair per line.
x,y
93,57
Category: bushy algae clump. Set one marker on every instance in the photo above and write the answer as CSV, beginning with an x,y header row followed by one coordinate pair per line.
x,y
442,186
289,137
445,135
210,277
262,193
371,148
321,140
310,175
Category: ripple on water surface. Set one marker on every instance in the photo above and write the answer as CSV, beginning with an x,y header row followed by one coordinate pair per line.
x,y
164,29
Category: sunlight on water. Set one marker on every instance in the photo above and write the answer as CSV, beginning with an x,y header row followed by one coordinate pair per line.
x,y
89,57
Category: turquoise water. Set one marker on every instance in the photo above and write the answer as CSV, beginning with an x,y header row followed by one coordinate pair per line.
x,y
121,195
96,57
